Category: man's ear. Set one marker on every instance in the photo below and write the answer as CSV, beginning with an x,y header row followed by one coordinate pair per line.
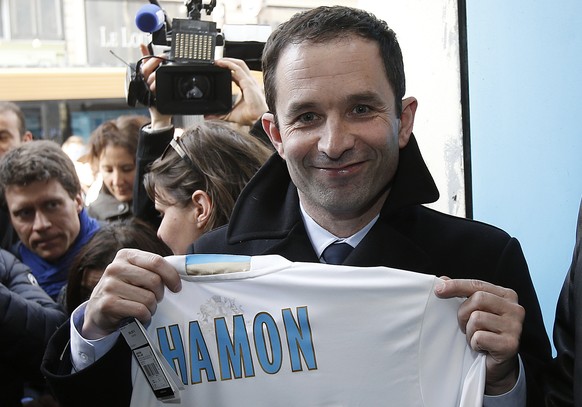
x,y
409,106
26,137
270,127
202,208
79,202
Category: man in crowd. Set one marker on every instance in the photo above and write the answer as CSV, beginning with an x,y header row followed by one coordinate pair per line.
x,y
41,190
349,171
12,133
28,318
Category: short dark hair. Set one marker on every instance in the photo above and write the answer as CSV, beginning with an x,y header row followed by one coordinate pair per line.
x,y
40,160
323,24
14,108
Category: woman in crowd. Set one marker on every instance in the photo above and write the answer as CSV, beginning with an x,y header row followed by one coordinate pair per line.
x,y
112,151
196,181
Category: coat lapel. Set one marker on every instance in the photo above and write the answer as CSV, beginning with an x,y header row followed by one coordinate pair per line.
x,y
386,246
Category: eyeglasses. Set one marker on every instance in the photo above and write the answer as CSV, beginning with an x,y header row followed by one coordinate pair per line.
x,y
177,145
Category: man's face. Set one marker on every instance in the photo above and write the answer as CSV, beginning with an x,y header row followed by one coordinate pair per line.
x,y
338,130
9,134
45,217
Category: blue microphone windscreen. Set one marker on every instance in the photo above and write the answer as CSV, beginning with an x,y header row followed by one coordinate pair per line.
x,y
149,18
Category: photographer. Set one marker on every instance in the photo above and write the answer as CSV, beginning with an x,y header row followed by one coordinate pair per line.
x,y
155,137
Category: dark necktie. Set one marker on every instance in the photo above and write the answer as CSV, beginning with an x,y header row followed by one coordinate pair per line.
x,y
336,253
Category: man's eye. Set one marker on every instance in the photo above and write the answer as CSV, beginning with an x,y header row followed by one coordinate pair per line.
x,y
23,214
307,117
361,109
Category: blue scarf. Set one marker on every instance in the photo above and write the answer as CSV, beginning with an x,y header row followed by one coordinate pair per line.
x,y
53,276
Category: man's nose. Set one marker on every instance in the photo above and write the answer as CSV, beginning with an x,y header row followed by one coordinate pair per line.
x,y
336,138
41,221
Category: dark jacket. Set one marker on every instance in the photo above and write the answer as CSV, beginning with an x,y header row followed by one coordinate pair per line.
x,y
267,220
107,208
150,146
407,235
28,318
565,375
8,236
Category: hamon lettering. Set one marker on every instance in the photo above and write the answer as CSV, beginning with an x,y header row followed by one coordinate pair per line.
x,y
235,357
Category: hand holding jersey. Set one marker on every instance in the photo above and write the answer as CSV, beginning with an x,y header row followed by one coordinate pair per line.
x,y
269,331
131,286
492,319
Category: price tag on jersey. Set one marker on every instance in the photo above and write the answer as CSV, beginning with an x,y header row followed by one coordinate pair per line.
x,y
159,378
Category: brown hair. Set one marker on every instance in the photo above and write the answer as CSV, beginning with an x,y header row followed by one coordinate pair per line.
x,y
121,132
220,161
40,160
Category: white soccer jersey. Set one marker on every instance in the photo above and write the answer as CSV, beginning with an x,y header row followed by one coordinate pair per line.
x,y
310,334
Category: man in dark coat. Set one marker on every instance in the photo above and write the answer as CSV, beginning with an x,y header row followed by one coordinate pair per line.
x,y
565,376
28,318
347,170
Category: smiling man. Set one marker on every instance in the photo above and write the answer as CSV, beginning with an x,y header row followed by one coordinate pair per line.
x,y
348,170
40,188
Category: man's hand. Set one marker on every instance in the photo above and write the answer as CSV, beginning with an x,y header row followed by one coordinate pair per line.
x,y
251,104
131,286
492,319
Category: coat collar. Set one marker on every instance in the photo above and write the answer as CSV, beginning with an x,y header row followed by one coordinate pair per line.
x,y
270,199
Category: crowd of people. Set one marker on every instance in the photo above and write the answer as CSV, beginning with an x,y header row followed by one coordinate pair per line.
x,y
322,167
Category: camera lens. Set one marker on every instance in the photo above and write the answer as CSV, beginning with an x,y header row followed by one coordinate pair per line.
x,y
193,87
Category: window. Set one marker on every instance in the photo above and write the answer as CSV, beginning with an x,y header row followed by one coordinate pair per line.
x,y
2,16
30,19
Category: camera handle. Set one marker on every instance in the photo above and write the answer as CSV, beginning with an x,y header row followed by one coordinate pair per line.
x,y
194,8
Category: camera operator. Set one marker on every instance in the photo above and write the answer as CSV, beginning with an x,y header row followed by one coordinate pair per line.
x,y
154,137
247,109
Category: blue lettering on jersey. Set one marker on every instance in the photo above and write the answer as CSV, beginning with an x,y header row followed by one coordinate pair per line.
x,y
299,339
174,353
235,354
199,356
265,327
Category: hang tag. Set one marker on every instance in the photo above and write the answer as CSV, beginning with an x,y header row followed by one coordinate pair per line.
x,y
160,376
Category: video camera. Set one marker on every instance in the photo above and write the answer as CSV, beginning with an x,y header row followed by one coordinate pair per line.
x,y
187,82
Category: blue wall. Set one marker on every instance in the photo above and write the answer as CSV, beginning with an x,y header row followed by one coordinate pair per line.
x,y
525,86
